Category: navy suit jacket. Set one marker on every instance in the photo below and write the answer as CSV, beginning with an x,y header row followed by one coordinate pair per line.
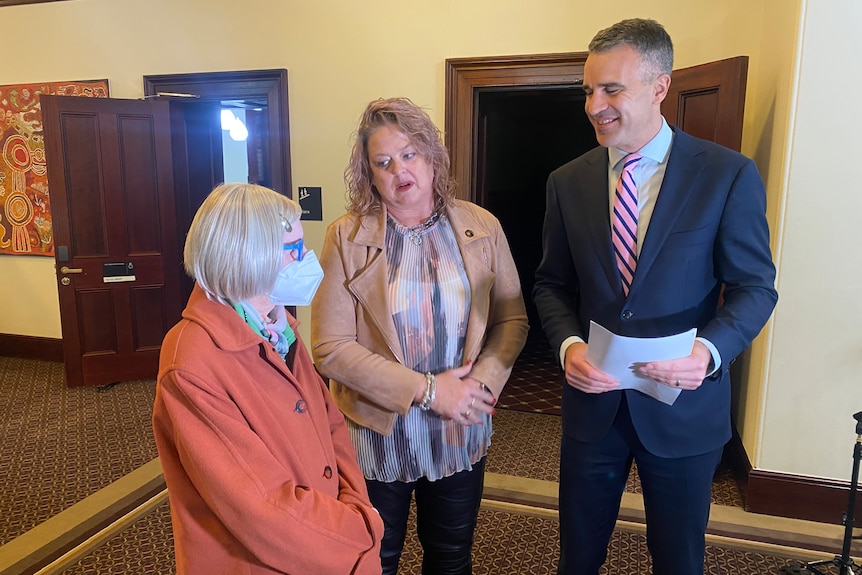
x,y
708,229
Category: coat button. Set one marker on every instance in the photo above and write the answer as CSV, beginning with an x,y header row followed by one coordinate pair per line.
x,y
627,314
469,233
327,472
301,406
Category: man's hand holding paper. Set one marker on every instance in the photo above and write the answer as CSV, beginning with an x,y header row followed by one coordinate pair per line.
x,y
652,366
581,375
685,373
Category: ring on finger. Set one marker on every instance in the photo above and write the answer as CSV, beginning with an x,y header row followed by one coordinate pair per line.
x,y
467,414
472,402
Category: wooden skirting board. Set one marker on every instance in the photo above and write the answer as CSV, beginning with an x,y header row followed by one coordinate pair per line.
x,y
31,347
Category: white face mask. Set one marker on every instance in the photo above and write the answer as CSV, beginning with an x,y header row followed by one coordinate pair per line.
x,y
297,282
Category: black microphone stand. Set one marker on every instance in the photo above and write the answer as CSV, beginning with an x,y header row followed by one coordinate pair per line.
x,y
844,562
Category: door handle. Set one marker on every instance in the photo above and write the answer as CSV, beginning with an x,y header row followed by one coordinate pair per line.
x,y
68,270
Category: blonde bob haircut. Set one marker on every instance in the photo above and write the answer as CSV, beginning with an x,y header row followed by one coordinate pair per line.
x,y
235,243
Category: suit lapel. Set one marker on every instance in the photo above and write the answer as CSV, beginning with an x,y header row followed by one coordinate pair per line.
x,y
597,209
680,178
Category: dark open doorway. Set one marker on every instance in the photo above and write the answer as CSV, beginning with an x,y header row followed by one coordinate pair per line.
x,y
262,97
199,152
523,134
510,121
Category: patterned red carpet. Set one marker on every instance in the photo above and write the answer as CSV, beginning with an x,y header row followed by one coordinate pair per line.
x,y
60,445
506,544
536,381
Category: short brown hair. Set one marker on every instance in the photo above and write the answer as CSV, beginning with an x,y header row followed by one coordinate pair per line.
x,y
647,37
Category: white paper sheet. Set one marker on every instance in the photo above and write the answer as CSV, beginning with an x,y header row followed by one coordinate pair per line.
x,y
616,355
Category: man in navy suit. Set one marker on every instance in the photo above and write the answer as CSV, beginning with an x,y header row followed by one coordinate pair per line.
x,y
701,227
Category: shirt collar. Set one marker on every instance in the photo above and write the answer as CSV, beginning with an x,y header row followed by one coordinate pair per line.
x,y
656,149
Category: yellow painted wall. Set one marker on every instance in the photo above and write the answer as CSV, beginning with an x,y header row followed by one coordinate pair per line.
x,y
815,362
341,53
769,107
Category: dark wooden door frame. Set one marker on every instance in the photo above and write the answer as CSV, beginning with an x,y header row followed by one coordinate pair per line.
x,y
464,76
268,86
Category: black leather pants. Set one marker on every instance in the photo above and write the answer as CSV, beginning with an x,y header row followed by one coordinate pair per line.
x,y
446,512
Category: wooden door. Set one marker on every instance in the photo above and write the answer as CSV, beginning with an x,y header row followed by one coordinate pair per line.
x,y
708,101
110,168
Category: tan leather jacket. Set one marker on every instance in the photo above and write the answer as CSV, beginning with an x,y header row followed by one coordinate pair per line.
x,y
353,336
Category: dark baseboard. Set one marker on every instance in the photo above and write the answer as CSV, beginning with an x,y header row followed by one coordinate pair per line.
x,y
799,497
784,495
30,347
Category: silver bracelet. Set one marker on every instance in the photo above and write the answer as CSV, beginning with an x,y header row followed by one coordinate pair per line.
x,y
430,391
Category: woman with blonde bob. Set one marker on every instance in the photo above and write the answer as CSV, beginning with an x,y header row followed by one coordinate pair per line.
x,y
261,473
417,324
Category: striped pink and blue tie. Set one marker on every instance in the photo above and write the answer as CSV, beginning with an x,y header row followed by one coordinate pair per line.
x,y
625,222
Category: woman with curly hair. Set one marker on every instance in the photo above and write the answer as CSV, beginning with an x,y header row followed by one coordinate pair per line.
x,y
417,323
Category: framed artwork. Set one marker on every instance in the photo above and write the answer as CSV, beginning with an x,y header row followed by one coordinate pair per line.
x,y
25,202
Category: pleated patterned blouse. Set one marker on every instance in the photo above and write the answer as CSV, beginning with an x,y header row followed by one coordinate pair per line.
x,y
429,296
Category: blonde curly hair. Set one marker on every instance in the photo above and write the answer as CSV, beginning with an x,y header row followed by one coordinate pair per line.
x,y
412,121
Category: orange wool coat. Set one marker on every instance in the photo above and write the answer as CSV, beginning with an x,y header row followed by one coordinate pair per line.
x,y
261,474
